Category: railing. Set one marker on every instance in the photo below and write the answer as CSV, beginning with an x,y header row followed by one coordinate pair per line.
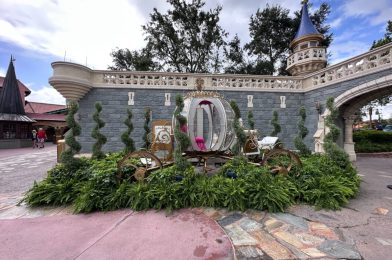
x,y
173,80
69,77
367,62
310,54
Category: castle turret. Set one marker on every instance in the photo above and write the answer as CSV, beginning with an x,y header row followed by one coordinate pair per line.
x,y
308,55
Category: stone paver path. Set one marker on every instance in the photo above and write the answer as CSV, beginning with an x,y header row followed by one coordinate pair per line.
x,y
261,235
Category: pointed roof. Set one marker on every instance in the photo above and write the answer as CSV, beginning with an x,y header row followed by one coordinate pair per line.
x,y
10,99
306,26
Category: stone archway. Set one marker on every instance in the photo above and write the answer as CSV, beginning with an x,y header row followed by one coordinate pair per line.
x,y
348,103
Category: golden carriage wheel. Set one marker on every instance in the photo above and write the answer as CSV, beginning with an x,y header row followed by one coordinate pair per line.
x,y
147,162
281,169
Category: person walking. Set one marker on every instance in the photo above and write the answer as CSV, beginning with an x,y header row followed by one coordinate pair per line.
x,y
34,138
41,137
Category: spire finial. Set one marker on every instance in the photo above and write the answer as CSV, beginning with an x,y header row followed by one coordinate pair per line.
x,y
304,2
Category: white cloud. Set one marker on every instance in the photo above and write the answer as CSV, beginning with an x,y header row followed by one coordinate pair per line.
x,y
336,23
81,28
46,95
376,11
2,72
343,49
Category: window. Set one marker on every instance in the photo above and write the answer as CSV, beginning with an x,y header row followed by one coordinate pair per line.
x,y
313,44
9,131
24,131
304,46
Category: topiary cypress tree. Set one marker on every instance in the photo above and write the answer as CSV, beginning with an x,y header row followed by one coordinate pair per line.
x,y
332,150
251,121
147,129
125,137
67,157
97,135
238,129
182,139
275,124
302,133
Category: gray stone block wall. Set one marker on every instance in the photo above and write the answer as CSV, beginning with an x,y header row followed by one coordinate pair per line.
x,y
115,104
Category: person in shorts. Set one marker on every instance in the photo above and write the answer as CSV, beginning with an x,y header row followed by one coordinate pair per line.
x,y
41,137
34,138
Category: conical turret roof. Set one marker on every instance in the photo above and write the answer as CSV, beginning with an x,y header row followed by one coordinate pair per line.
x,y
306,26
10,99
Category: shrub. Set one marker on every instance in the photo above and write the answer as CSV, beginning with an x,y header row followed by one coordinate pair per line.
x,y
96,134
238,129
182,139
336,153
275,124
371,141
251,120
125,137
94,187
147,130
67,156
302,133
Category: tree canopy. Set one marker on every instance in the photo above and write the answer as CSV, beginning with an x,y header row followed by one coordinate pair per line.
x,y
387,37
189,38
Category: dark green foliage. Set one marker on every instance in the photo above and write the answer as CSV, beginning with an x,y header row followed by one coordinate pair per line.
x,y
94,187
143,60
186,38
126,136
387,37
323,183
275,124
251,120
147,128
302,133
182,139
238,129
67,156
97,135
371,141
337,154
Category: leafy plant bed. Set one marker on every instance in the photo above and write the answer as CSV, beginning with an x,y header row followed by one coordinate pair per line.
x,y
93,185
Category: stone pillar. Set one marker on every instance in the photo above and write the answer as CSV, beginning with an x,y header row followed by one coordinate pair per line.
x,y
348,138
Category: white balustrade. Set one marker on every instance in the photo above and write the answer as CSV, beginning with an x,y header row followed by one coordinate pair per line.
x,y
365,63
310,54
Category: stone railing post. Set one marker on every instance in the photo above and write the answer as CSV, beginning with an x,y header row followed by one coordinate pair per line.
x,y
348,137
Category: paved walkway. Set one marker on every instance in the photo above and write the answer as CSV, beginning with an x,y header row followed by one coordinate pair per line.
x,y
362,229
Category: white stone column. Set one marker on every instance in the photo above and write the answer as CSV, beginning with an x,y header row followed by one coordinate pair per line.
x,y
348,138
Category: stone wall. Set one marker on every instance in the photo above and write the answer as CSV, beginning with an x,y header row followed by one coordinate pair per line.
x,y
115,103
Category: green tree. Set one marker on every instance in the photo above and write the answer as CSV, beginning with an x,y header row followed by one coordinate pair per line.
x,y
97,135
142,60
272,30
147,128
238,129
372,106
387,37
126,136
275,124
182,139
67,156
186,38
302,133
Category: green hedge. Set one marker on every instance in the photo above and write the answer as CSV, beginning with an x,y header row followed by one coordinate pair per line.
x,y
369,141
95,187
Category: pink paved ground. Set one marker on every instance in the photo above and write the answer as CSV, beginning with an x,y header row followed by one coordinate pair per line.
x,y
185,234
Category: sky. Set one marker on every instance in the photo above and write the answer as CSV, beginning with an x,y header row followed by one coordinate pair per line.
x,y
40,32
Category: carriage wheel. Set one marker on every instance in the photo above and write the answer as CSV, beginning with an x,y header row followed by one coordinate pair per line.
x,y
147,162
282,169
